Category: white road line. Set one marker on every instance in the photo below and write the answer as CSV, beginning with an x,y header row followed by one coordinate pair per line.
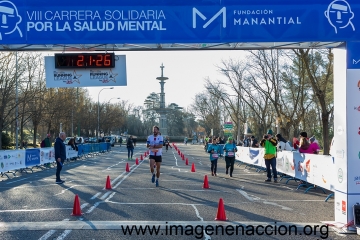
x,y
175,159
33,210
132,169
97,203
207,237
67,189
278,205
47,235
84,205
50,232
17,180
64,234
93,207
105,195
95,196
245,195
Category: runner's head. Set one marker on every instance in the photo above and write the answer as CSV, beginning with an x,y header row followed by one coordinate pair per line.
x,y
156,130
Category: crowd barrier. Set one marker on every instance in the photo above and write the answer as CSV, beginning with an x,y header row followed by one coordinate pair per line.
x,y
14,160
315,169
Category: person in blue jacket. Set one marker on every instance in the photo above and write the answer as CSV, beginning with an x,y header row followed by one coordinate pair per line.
x,y
60,155
230,149
214,151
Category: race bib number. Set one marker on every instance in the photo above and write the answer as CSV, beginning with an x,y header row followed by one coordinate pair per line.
x,y
215,155
231,154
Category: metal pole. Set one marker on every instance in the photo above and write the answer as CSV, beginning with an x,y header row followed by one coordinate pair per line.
x,y
98,125
77,104
17,107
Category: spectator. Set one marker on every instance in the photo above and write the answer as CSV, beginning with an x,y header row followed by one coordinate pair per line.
x,y
130,147
72,144
60,155
120,141
283,145
296,143
254,143
46,142
269,143
306,147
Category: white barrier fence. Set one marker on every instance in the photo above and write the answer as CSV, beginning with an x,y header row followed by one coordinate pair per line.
x,y
319,170
16,159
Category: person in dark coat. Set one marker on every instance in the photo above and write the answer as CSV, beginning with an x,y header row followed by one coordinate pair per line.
x,y
60,155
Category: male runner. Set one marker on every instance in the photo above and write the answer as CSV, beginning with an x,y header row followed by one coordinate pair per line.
x,y
155,144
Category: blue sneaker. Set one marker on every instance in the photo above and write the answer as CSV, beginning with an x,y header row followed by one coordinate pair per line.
x,y
153,178
157,183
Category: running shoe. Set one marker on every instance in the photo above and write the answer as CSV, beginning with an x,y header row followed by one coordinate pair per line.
x,y
153,178
157,183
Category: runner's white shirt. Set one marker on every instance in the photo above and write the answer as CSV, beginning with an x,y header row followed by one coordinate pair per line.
x,y
158,140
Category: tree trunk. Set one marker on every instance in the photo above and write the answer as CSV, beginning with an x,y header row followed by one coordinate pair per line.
x,y
325,123
34,136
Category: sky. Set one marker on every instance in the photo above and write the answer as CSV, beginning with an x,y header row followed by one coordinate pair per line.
x,y
186,71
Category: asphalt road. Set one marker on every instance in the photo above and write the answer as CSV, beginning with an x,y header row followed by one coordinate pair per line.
x,y
32,206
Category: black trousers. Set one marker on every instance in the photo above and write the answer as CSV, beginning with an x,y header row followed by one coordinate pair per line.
x,y
213,165
230,163
58,170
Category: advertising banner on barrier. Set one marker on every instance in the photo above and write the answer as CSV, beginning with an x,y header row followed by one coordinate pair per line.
x,y
70,152
11,160
47,155
312,168
32,157
169,21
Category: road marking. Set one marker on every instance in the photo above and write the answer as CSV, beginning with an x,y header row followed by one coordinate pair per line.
x,y
51,232
245,195
207,237
278,205
33,210
67,189
64,234
105,195
116,225
16,181
95,196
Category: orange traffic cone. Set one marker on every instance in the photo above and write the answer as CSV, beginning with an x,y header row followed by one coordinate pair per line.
x,y
145,154
76,208
183,157
187,159
206,182
187,162
137,161
193,167
127,167
141,157
108,183
221,215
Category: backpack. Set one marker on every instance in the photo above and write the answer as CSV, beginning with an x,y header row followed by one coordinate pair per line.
x,y
42,143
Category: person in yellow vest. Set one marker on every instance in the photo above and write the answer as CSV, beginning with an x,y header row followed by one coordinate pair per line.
x,y
270,143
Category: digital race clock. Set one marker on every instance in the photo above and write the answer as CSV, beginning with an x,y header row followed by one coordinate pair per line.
x,y
85,60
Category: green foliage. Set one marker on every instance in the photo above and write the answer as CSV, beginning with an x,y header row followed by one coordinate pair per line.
x,y
5,140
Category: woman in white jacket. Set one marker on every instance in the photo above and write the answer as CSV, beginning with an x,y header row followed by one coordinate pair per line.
x,y
283,145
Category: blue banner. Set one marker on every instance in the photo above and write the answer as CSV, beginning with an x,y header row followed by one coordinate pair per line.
x,y
32,157
353,56
175,21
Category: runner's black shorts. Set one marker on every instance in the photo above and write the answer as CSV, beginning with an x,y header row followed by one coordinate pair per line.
x,y
156,158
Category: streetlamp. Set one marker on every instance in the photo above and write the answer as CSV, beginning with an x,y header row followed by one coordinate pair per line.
x,y
98,127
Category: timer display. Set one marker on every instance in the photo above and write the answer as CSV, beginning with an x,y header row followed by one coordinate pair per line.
x,y
85,60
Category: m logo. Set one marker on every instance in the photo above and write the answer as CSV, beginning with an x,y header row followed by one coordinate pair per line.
x,y
356,61
202,16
